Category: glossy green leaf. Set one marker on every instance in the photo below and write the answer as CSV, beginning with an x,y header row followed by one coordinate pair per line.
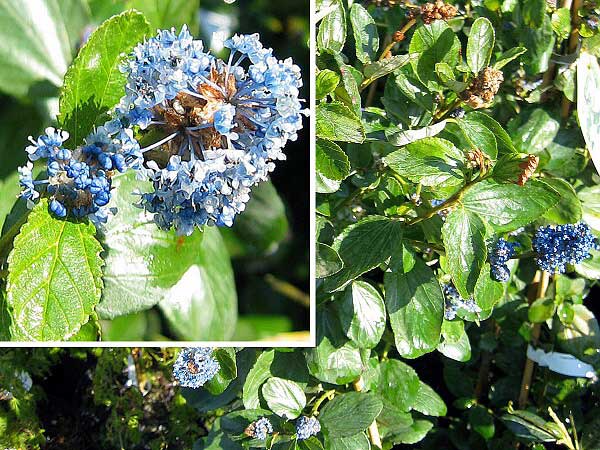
x,y
335,359
226,358
508,56
359,441
54,277
430,161
362,313
534,12
94,84
507,207
464,239
328,262
363,246
416,432
503,140
537,133
164,14
455,341
331,161
337,122
415,304
399,137
482,421
146,266
428,402
332,29
480,44
350,413
434,43
398,385
37,42
378,69
325,83
366,37
478,136
568,209
284,397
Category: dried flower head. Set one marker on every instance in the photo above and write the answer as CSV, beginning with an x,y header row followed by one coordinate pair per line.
x,y
483,88
437,10
527,169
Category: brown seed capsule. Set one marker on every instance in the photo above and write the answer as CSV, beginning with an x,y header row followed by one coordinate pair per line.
x,y
398,36
528,168
477,159
437,11
483,88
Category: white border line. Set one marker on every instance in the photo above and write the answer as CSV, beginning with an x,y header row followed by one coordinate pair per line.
x,y
311,342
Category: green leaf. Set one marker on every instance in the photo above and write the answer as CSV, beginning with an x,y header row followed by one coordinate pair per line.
x,y
455,344
502,139
400,137
284,397
363,246
430,161
464,239
480,45
539,43
337,122
428,402
332,29
362,313
416,432
541,310
331,161
273,363
325,83
528,426
534,12
561,22
349,93
580,338
507,207
146,266
588,83
54,277
386,66
324,185
446,76
478,136
434,43
398,385
164,14
328,261
590,202
37,42
359,441
535,135
335,359
415,304
508,56
227,372
487,293
349,414
568,209
94,84
366,37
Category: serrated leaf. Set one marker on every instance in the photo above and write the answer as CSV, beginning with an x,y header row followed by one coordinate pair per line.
x,y
331,161
568,209
386,66
54,277
328,262
464,239
480,45
507,207
503,140
362,313
94,84
508,56
415,304
363,246
227,371
359,441
325,83
337,122
284,397
164,14
400,137
398,385
428,402
366,37
350,413
478,136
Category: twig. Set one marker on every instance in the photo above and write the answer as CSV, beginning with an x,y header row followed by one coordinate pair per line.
x,y
542,286
573,42
288,290
373,430
327,395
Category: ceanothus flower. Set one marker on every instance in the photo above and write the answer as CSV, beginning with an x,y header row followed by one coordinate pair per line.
x,y
195,366
223,124
502,252
560,245
454,302
78,182
307,427
259,429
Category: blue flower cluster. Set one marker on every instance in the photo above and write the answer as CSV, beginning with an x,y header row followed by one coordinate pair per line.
x,y
78,181
307,427
259,429
454,302
195,366
558,246
224,124
502,252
